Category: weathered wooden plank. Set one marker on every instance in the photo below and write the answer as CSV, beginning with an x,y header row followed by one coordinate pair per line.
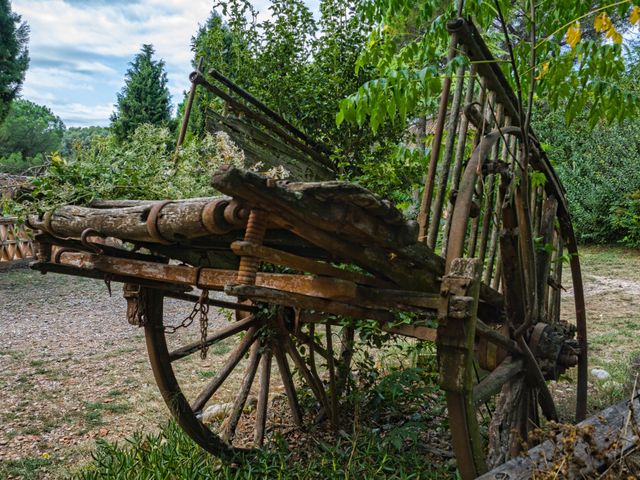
x,y
301,263
614,425
339,218
216,279
492,383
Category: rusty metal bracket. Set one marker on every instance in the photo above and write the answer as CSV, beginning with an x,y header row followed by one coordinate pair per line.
x,y
152,222
135,296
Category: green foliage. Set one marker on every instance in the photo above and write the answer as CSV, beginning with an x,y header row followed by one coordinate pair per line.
x,y
29,133
141,168
14,56
302,69
409,43
16,164
144,98
170,454
599,169
80,138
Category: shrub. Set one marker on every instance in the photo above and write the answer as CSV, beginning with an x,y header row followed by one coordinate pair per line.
x,y
142,168
599,169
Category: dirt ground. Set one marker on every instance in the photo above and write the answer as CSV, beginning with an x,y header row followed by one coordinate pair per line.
x,y
72,369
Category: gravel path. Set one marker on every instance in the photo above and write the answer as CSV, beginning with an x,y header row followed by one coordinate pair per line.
x,y
71,368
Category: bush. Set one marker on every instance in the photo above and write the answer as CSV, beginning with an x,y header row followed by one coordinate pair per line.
x,y
142,168
16,164
599,168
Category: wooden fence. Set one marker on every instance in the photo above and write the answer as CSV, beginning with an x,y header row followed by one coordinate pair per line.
x,y
16,247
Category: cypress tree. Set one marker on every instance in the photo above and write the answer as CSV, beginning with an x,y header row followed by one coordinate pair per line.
x,y
144,98
14,56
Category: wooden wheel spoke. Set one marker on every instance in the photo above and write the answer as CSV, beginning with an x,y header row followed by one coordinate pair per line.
x,y
312,344
312,361
492,383
483,330
346,355
312,379
231,363
241,399
332,378
533,370
263,397
289,387
225,332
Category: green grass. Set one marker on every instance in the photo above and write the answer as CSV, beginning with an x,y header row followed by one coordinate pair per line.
x,y
220,348
108,407
30,468
170,454
618,386
207,373
94,410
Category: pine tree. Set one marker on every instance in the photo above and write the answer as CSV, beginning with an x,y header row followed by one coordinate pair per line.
x,y
144,98
14,56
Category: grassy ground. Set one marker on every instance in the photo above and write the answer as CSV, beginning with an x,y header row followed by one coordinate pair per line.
x,y
392,445
612,288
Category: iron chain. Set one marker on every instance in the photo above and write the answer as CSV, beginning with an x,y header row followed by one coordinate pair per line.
x,y
201,310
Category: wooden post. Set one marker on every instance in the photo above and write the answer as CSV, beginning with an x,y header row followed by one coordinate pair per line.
x,y
460,291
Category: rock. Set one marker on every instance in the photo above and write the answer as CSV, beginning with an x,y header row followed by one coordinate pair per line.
x,y
216,412
600,374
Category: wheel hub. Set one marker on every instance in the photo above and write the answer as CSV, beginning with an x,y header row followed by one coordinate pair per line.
x,y
555,348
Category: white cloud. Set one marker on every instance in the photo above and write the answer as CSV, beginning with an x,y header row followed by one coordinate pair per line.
x,y
43,77
78,114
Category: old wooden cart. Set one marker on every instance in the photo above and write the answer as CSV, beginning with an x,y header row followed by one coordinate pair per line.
x,y
481,272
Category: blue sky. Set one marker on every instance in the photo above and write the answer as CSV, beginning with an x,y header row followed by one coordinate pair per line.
x,y
80,49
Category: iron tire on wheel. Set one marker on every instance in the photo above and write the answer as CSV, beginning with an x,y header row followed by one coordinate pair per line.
x,y
470,449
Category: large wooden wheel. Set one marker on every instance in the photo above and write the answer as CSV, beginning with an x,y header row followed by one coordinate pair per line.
x,y
518,232
267,338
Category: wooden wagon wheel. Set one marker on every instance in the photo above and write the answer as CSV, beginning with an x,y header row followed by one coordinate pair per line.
x,y
271,337
523,258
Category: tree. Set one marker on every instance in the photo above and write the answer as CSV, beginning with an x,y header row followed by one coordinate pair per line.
x,y
598,166
80,138
14,56
569,57
145,97
29,132
302,68
227,47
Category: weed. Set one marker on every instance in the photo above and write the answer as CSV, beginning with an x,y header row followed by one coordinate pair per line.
x,y
13,354
220,348
93,418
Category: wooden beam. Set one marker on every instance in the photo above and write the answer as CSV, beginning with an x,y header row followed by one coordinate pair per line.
x,y
270,295
303,264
